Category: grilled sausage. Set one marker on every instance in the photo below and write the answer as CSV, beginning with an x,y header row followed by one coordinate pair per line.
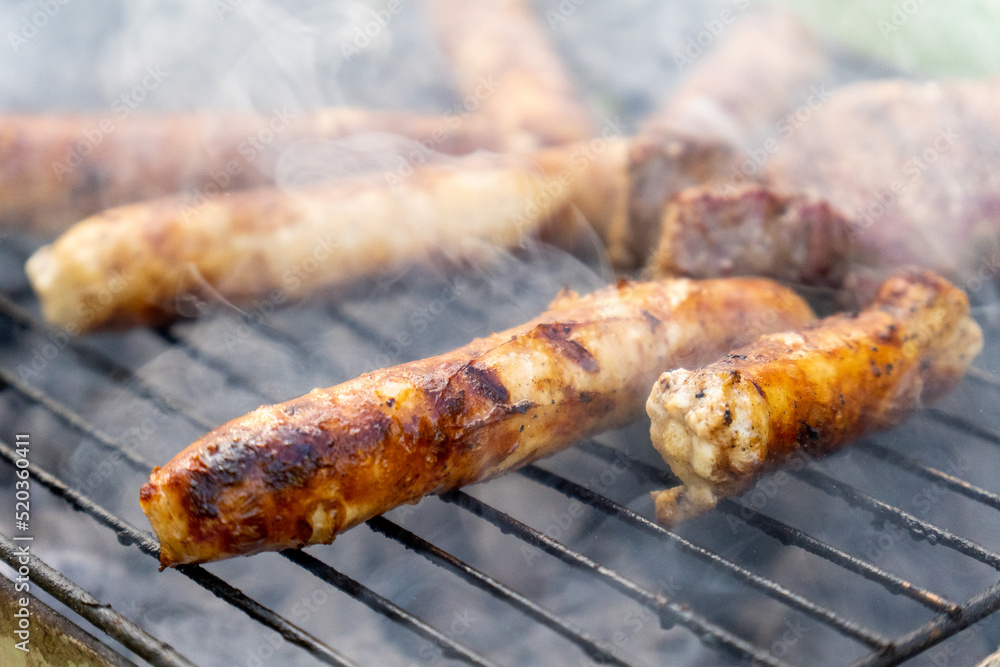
x,y
507,69
595,177
300,472
747,82
58,169
130,264
814,391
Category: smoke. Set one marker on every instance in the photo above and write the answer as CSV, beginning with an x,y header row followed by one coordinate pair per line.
x,y
277,58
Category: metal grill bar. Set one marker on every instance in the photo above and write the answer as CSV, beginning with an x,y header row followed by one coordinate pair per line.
x,y
961,424
380,604
129,535
892,583
766,586
937,630
103,364
775,529
871,639
793,536
709,633
397,533
983,377
178,340
670,612
787,535
370,598
918,528
588,644
76,421
486,583
774,590
934,475
73,419
99,614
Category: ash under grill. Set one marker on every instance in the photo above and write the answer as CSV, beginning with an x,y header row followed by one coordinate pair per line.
x,y
879,554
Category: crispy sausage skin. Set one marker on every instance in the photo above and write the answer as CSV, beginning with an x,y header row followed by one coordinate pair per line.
x,y
813,391
300,472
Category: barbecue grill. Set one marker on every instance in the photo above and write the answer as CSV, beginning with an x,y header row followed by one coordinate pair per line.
x,y
799,550
882,553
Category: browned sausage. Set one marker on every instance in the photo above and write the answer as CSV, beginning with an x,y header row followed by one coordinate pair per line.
x,y
129,265
507,69
57,169
815,390
300,472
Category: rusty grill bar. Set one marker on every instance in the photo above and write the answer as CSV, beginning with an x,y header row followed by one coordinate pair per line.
x,y
950,617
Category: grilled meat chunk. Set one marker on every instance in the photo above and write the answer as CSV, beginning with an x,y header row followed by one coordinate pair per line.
x,y
728,105
813,390
749,230
300,472
885,174
899,158
909,165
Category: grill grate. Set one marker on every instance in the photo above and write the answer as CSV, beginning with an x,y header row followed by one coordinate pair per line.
x,y
20,324
102,616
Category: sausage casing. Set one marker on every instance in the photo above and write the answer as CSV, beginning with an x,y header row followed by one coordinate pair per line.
x,y
129,265
813,391
300,472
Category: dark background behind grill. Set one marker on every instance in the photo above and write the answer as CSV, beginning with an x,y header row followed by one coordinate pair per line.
x,y
152,392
